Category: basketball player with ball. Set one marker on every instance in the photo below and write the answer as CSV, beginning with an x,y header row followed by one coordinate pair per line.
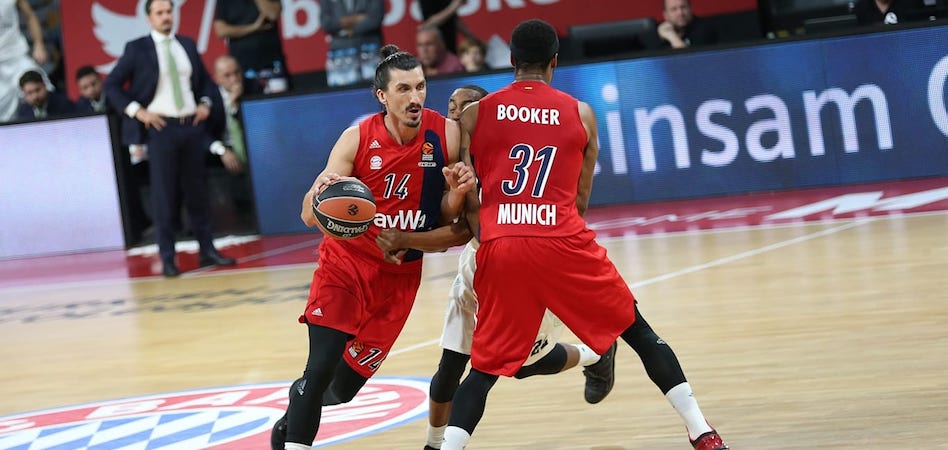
x,y
407,156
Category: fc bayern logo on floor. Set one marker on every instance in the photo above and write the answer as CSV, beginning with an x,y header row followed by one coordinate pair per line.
x,y
237,417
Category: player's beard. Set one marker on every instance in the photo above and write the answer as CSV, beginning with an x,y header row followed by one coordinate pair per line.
x,y
413,122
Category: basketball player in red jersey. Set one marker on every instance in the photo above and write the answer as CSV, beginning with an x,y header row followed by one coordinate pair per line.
x,y
547,357
358,301
533,150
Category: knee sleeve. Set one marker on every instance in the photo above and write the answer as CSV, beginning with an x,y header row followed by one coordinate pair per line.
x,y
471,399
659,359
445,381
345,384
303,413
552,363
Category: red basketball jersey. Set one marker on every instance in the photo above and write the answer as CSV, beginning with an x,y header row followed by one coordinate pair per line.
x,y
405,179
527,150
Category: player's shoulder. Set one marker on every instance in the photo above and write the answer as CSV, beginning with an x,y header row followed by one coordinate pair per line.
x,y
430,114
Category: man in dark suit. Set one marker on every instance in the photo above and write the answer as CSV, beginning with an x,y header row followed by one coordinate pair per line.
x,y
38,102
167,104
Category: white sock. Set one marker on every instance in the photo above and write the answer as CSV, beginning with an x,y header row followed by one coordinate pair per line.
x,y
587,357
295,446
683,400
455,438
435,435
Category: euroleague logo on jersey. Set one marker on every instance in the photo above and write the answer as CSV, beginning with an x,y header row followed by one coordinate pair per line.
x,y
238,417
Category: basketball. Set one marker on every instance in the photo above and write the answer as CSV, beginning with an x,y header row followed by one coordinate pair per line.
x,y
344,209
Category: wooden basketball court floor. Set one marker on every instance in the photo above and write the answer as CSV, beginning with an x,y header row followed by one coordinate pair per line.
x,y
798,326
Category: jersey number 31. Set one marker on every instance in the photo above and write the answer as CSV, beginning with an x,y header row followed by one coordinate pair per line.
x,y
526,156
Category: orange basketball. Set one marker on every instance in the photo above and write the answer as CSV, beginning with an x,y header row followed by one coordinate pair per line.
x,y
344,209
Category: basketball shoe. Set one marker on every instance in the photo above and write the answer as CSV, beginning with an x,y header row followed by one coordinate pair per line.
x,y
709,441
601,376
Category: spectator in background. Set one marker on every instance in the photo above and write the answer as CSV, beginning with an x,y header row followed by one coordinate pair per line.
x,y
16,58
92,100
435,58
251,28
233,86
355,30
230,83
681,29
443,15
91,95
880,12
473,55
38,101
161,84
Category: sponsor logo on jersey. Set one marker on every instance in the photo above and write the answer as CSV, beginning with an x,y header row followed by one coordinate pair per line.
x,y
427,155
231,418
403,220
375,144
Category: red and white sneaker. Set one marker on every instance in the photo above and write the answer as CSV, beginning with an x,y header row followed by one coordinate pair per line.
x,y
709,441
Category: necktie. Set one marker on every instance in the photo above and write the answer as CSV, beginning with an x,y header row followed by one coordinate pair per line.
x,y
175,76
236,133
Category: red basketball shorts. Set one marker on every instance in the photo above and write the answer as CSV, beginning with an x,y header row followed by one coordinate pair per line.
x,y
517,278
368,299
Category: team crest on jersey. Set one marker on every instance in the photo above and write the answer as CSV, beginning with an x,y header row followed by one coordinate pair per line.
x,y
375,163
229,418
427,155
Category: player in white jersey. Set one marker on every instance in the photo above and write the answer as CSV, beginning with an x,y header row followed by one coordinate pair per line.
x,y
547,357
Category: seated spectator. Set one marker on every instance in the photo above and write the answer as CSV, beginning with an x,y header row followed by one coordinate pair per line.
x,y
233,87
880,12
39,102
681,29
91,95
434,56
473,55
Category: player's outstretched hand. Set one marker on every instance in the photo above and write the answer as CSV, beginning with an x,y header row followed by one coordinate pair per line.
x,y
460,177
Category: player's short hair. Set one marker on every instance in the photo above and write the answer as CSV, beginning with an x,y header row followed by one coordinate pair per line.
x,y
533,43
85,71
392,58
31,76
149,2
481,92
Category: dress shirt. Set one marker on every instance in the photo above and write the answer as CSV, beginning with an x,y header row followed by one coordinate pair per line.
x,y
163,103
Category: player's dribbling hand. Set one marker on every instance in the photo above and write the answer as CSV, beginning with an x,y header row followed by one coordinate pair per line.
x,y
325,180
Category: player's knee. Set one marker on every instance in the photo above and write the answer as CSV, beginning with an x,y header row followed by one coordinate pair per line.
x,y
640,333
552,362
445,382
339,394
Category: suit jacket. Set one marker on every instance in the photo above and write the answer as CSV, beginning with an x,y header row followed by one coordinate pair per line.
x,y
138,68
83,105
56,105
